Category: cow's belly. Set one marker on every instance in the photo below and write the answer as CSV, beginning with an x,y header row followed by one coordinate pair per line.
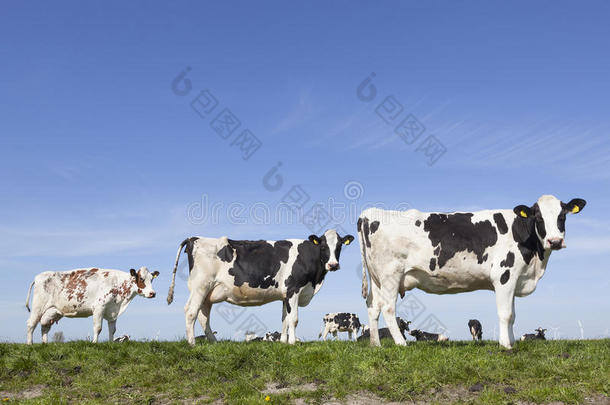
x,y
244,295
76,311
449,281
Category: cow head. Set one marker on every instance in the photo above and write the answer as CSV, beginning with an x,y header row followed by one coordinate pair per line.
x,y
330,245
143,280
548,218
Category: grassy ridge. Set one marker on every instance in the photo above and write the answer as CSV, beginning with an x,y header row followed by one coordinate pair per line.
x,y
237,372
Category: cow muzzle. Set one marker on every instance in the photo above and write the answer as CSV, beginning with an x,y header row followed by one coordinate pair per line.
x,y
152,294
556,243
332,266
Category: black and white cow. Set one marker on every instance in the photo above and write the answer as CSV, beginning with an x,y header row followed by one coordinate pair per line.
x,y
251,273
340,322
426,336
273,337
505,251
539,335
385,332
476,330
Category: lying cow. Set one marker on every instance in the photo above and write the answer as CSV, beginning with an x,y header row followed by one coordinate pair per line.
x,y
385,332
250,273
476,330
105,294
272,336
121,339
426,336
505,251
539,335
340,322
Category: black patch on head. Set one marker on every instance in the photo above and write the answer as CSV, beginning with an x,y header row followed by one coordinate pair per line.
x,y
359,224
561,221
455,233
504,277
417,223
525,236
225,254
374,226
500,223
509,261
188,249
307,268
257,262
432,264
539,221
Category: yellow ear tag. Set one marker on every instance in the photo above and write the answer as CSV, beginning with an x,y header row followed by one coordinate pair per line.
x,y
155,275
523,214
575,209
347,242
315,242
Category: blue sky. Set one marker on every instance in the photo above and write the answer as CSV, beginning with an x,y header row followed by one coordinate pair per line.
x,y
101,161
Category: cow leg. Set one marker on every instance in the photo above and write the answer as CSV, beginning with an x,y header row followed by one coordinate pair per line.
x,y
505,302
335,334
50,315
284,335
389,291
191,311
98,317
349,335
374,308
111,329
31,324
326,330
204,320
292,318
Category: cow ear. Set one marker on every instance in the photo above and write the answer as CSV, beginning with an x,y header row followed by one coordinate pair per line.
x,y
576,205
314,239
523,211
348,239
133,273
155,274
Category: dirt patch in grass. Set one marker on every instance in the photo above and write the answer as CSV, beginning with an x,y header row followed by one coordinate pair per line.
x,y
32,392
282,388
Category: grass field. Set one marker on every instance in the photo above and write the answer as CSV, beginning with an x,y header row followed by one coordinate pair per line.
x,y
315,372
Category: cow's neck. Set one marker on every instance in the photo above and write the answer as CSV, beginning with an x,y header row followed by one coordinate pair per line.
x,y
129,295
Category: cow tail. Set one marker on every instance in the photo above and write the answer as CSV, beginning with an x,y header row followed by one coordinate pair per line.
x,y
362,242
27,300
170,294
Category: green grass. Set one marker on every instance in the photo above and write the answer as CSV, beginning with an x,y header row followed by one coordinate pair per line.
x,y
237,372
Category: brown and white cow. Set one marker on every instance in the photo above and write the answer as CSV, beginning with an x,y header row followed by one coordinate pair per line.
x,y
105,294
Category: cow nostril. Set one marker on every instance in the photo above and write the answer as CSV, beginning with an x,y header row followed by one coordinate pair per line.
x,y
152,295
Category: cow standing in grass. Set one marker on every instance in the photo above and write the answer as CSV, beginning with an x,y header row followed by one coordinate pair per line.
x,y
476,330
103,294
506,251
249,273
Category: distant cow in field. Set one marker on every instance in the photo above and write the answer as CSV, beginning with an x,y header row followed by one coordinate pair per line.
x,y
103,294
385,332
121,339
426,336
272,336
340,322
476,330
539,335
249,273
505,251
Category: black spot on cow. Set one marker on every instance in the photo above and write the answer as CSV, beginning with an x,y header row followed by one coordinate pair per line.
x,y
500,223
524,234
226,254
417,223
288,308
189,243
308,267
504,277
359,224
455,233
437,250
257,262
374,226
432,264
509,261
539,221
365,232
485,256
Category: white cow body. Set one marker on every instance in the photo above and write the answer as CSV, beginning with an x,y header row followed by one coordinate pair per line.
x,y
101,293
505,251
